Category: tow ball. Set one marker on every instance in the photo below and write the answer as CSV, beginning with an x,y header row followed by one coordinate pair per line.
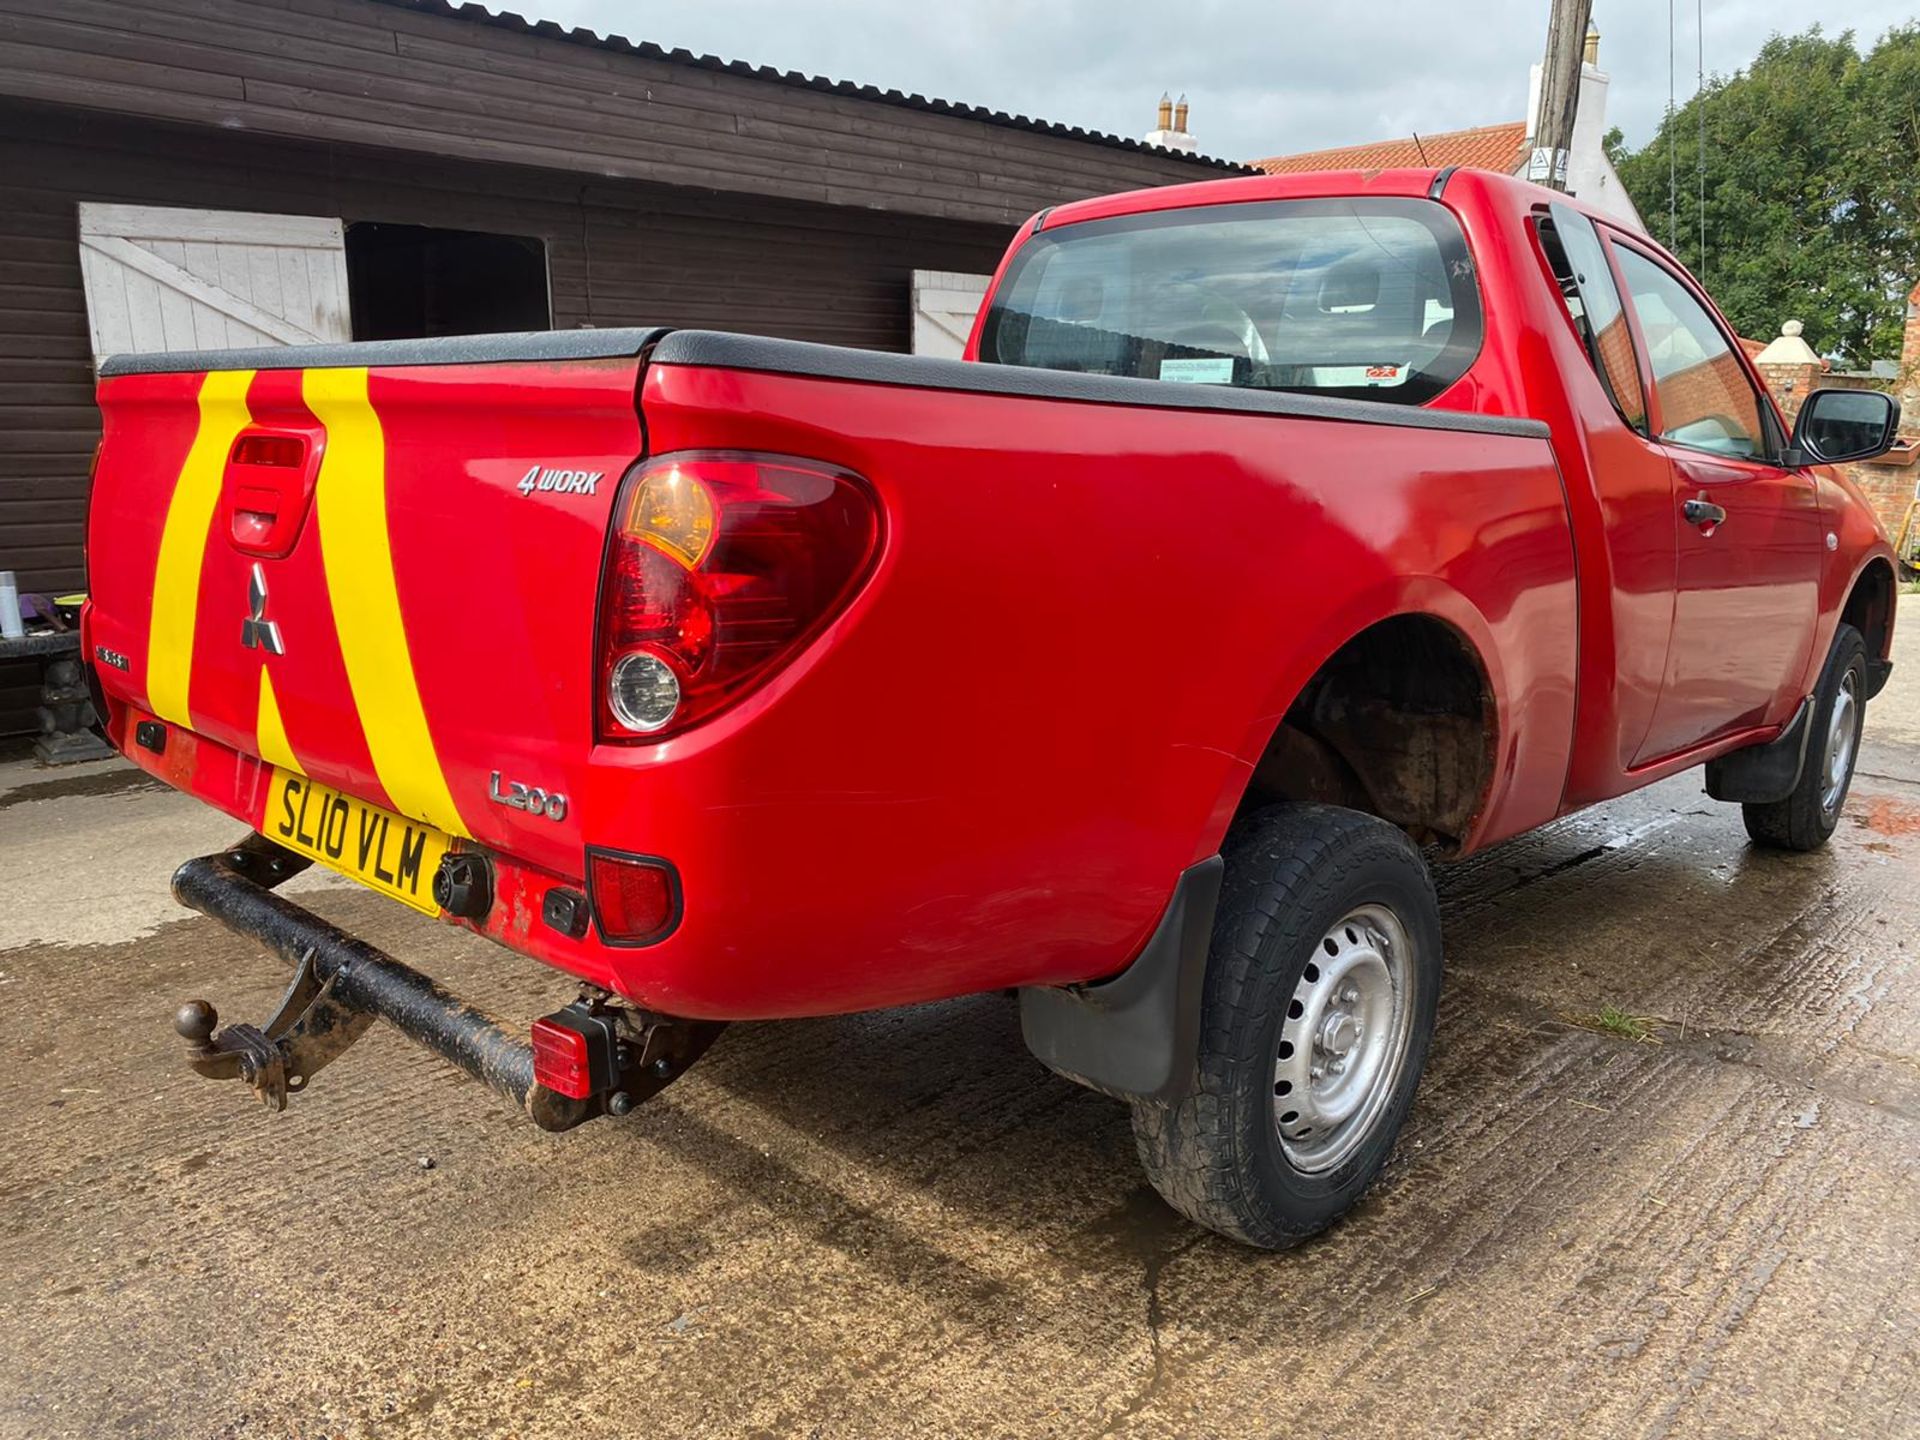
x,y
308,1031
593,1057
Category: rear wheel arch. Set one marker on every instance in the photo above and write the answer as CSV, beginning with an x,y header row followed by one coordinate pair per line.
x,y
1399,720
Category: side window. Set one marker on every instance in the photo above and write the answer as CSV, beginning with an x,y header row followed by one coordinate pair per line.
x,y
1705,400
1593,304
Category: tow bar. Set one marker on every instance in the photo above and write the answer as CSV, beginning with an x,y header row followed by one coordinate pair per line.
x,y
341,985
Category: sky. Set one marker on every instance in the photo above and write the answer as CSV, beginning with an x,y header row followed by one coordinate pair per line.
x,y
1263,78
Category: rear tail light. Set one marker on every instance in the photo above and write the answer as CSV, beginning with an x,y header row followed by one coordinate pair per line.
x,y
636,898
721,567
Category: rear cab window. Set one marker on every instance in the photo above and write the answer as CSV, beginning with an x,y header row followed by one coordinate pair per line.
x,y
1592,301
1369,298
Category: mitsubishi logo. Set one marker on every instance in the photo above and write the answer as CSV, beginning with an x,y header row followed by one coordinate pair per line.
x,y
257,632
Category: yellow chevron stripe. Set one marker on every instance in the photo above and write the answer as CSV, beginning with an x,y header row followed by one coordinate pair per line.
x,y
183,543
351,501
270,734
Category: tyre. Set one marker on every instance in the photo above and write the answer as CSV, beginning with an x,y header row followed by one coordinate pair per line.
x,y
1805,819
1320,992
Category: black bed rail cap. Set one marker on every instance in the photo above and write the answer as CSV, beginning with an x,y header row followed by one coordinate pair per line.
x,y
534,345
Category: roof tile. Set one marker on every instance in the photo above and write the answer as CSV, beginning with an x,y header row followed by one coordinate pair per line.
x,y
1489,147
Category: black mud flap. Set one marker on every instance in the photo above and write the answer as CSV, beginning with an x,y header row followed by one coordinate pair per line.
x,y
1764,774
1135,1036
1878,673
342,985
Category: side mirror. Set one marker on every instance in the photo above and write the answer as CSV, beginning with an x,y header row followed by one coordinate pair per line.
x,y
1841,425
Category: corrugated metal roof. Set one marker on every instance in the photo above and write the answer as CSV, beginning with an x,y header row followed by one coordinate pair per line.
x,y
646,49
1488,147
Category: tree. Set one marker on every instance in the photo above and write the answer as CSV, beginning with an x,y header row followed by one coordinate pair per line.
x,y
1812,189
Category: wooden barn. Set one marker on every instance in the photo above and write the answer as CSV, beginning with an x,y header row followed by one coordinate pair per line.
x,y
199,173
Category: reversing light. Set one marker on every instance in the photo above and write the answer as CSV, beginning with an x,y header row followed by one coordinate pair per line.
x,y
643,692
636,898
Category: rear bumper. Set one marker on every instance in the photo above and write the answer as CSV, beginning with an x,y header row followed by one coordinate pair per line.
x,y
362,980
789,906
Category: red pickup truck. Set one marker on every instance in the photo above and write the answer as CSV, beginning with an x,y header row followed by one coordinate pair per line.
x,y
1275,536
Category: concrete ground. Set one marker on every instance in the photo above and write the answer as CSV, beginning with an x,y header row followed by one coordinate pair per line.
x,y
900,1224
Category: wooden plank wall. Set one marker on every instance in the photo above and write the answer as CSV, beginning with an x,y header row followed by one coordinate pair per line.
x,y
619,253
414,76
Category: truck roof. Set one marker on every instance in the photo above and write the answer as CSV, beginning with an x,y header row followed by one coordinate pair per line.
x,y
1316,184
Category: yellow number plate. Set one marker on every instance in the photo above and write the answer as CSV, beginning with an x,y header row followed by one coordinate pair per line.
x,y
382,850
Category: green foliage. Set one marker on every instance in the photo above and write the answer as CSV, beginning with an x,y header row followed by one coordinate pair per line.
x,y
1812,189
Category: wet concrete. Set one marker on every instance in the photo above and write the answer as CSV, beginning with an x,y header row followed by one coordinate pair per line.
x,y
900,1224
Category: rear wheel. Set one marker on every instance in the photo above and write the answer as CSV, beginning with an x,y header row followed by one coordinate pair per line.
x,y
1806,818
1321,988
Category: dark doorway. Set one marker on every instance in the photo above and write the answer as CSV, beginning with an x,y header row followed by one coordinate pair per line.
x,y
410,281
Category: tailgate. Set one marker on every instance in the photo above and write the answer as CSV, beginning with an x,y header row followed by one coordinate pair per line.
x,y
373,566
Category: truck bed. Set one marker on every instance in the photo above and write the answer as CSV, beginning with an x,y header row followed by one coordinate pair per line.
x,y
1094,601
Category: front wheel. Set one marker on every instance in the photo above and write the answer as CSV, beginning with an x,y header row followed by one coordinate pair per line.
x,y
1321,988
1806,818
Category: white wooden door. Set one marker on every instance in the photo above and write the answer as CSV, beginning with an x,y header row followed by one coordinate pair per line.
x,y
944,304
163,279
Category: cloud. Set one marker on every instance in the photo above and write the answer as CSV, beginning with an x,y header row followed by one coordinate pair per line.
x,y
1263,78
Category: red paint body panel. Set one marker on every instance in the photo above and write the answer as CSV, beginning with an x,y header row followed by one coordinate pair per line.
x,y
1047,699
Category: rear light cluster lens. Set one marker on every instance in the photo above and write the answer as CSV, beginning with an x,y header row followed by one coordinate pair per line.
x,y
722,566
636,898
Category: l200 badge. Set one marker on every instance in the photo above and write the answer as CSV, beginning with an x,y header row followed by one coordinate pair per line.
x,y
530,798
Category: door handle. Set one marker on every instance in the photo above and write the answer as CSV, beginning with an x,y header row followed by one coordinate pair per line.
x,y
267,488
1703,512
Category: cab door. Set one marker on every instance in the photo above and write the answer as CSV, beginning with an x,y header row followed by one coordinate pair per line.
x,y
1749,535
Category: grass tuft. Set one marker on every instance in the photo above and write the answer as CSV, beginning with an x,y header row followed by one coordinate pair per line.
x,y
1612,1020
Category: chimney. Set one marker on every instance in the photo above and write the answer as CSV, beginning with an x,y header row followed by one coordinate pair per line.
x,y
1172,134
1591,55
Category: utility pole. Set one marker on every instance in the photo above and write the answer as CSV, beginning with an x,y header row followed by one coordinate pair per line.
x,y
1559,92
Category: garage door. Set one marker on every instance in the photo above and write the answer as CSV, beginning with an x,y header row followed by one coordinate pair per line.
x,y
166,279
944,304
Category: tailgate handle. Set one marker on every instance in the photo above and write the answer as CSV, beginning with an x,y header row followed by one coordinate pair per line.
x,y
267,488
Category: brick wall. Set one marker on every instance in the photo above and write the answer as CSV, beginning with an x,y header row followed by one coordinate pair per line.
x,y
1891,487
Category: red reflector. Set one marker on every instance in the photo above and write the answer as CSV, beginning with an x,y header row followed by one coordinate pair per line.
x,y
560,1060
635,900
283,452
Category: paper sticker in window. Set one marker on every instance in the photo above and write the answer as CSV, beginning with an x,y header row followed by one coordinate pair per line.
x,y
1200,371
1359,375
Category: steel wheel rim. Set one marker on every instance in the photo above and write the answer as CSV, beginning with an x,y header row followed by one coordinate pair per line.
x,y
1842,734
1344,1038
